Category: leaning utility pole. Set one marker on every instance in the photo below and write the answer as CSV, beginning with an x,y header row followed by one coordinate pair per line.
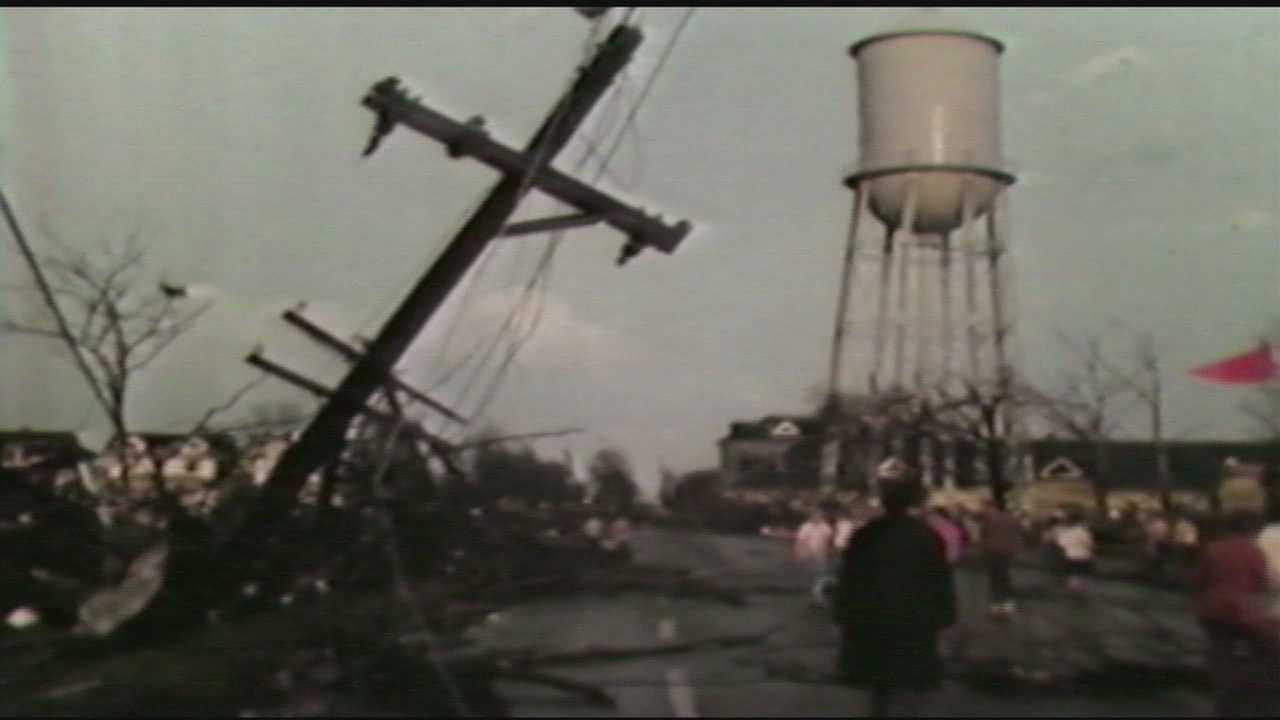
x,y
322,441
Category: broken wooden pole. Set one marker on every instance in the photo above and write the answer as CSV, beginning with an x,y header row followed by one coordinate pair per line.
x,y
315,388
322,440
350,354
470,140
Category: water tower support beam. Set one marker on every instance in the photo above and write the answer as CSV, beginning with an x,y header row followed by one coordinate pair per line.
x,y
901,316
847,276
948,332
926,316
995,251
967,250
882,311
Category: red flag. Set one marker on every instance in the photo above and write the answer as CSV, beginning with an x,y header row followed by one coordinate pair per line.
x,y
1256,366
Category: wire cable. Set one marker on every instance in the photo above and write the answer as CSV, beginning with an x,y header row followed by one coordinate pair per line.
x,y
527,178
526,182
554,243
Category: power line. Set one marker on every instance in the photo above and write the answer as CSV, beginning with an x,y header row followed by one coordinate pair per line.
x,y
521,302
526,180
554,243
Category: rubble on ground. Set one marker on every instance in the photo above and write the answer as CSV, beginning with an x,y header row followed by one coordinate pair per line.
x,y
325,623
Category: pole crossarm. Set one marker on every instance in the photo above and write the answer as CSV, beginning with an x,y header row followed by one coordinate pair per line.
x,y
351,354
320,390
322,440
559,222
522,436
468,139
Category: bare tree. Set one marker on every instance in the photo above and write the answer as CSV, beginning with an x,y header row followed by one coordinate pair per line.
x,y
1148,387
1264,410
613,479
1084,405
1264,407
976,417
113,324
1144,380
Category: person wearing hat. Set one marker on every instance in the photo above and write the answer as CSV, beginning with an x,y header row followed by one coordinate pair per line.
x,y
894,596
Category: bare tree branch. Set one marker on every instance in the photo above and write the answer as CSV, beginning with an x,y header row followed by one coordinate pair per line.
x,y
9,326
121,329
161,341
212,412
64,328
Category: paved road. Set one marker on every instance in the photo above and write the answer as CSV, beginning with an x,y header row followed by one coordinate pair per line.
x,y
782,675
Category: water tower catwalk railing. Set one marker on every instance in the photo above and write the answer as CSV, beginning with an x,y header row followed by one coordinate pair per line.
x,y
934,95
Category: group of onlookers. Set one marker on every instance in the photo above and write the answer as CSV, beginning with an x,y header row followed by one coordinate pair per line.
x,y
886,573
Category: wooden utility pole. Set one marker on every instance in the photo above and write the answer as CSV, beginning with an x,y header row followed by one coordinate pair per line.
x,y
1154,395
323,439
351,354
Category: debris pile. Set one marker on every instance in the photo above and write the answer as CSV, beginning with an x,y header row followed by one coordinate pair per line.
x,y
357,603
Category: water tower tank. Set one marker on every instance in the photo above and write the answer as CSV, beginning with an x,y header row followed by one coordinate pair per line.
x,y
929,121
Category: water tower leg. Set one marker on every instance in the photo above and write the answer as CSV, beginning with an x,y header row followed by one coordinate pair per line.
x,y
997,220
926,317
948,316
847,277
999,331
968,251
833,442
901,315
882,310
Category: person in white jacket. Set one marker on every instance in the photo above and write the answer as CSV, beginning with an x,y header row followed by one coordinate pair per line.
x,y
1269,542
1075,541
814,548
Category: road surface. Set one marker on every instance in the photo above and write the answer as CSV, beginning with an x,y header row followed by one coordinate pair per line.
x,y
785,673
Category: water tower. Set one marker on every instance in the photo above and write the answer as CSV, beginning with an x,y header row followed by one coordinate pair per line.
x,y
921,284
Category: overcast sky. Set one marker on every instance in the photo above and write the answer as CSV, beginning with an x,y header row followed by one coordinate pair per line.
x,y
1145,141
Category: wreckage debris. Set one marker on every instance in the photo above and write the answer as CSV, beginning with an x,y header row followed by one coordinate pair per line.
x,y
108,609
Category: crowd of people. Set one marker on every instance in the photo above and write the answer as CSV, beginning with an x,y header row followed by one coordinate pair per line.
x,y
886,572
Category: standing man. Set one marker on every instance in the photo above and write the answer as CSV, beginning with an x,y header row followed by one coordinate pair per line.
x,y
1001,540
894,597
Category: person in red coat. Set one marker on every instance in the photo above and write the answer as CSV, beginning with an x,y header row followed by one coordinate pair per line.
x,y
1244,637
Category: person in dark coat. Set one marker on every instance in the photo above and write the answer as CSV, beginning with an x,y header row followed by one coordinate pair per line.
x,y
894,596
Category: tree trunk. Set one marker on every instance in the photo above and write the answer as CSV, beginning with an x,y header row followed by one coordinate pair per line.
x,y
995,471
1102,473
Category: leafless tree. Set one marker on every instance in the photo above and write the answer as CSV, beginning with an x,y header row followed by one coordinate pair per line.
x,y
113,322
1264,407
1143,379
1085,404
1264,410
977,416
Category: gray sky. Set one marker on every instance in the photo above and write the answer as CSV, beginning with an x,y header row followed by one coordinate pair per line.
x,y
1145,142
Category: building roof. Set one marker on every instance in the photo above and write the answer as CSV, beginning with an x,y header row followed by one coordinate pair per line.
x,y
219,444
1193,464
774,427
60,444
